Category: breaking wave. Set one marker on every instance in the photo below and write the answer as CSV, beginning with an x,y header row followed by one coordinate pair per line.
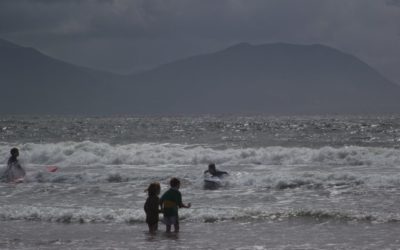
x,y
206,215
89,153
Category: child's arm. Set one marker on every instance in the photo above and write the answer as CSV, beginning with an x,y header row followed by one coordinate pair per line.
x,y
160,207
181,204
185,206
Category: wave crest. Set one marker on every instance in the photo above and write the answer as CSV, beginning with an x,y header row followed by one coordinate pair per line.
x,y
91,153
206,215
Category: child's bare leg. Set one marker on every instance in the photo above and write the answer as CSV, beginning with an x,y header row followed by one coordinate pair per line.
x,y
176,228
152,228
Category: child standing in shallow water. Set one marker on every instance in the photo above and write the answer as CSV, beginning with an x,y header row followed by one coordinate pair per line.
x,y
170,202
151,206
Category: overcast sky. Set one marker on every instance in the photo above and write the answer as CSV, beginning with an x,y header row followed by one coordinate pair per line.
x,y
129,35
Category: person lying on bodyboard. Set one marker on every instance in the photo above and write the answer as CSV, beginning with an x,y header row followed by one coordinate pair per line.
x,y
212,170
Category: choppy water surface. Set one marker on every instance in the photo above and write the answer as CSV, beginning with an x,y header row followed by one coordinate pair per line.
x,y
291,176
229,131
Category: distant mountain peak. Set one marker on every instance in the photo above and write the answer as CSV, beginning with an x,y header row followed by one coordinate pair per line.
x,y
7,44
242,45
274,78
277,45
239,46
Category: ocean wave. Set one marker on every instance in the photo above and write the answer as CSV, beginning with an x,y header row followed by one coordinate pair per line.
x,y
276,181
306,180
151,154
69,215
205,215
270,167
251,215
74,178
272,180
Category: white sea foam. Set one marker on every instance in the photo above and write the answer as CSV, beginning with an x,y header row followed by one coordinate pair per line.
x,y
91,162
69,215
279,181
90,153
207,214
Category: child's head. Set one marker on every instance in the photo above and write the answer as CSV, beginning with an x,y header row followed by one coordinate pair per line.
x,y
14,152
175,183
154,189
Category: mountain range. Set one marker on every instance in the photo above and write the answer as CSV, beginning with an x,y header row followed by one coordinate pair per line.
x,y
273,79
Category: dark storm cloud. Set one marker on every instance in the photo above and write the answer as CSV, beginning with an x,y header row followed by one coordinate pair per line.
x,y
393,2
148,18
125,34
223,19
46,16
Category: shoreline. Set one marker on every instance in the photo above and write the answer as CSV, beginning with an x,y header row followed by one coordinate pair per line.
x,y
286,234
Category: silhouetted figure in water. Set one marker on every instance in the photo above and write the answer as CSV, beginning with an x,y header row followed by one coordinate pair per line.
x,y
152,206
14,172
212,170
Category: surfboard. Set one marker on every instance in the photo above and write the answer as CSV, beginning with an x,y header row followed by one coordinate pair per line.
x,y
212,182
52,169
212,179
19,180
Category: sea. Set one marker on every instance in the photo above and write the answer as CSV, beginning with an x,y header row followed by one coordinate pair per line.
x,y
295,182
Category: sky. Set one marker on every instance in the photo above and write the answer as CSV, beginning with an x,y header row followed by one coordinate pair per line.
x,y
127,36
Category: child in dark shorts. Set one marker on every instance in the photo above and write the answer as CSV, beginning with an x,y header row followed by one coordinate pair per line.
x,y
151,206
170,202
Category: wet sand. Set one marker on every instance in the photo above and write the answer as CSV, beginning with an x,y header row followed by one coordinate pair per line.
x,y
286,234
